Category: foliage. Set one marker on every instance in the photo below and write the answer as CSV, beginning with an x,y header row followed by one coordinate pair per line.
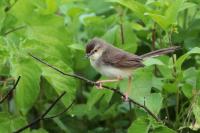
x,y
57,32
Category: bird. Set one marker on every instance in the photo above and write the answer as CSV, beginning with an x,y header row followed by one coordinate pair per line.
x,y
115,63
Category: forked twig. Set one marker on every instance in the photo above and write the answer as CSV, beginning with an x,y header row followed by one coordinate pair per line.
x,y
42,117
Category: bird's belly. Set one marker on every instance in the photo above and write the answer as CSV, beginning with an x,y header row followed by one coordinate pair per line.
x,y
112,72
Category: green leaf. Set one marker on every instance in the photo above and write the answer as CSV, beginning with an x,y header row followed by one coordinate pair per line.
x,y
41,130
23,10
140,86
154,102
60,82
187,90
77,47
9,123
170,15
138,8
187,5
51,7
163,129
140,125
181,59
191,76
94,96
152,61
170,87
173,10
28,88
160,19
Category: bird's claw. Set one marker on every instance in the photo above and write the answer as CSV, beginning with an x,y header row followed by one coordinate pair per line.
x,y
125,97
99,85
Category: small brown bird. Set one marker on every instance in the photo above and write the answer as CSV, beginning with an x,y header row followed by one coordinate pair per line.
x,y
115,63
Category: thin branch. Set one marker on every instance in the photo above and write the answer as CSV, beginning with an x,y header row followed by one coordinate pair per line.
x,y
42,117
51,117
52,105
63,73
9,7
13,30
122,33
10,91
94,83
173,57
121,14
154,37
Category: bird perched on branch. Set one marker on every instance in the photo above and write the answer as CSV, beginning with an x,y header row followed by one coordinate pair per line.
x,y
115,63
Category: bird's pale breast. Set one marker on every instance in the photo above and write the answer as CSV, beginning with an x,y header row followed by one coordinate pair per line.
x,y
110,71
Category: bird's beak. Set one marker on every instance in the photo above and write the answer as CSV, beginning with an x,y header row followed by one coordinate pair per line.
x,y
88,55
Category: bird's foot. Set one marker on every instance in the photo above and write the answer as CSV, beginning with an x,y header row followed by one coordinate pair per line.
x,y
125,97
99,85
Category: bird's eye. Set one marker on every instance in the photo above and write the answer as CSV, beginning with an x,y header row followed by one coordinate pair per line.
x,y
95,50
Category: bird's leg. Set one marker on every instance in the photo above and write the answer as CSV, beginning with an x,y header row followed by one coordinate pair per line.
x,y
128,91
100,82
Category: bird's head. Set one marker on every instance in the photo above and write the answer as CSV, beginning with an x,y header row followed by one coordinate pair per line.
x,y
95,48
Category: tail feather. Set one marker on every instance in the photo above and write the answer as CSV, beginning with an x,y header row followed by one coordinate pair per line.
x,y
160,52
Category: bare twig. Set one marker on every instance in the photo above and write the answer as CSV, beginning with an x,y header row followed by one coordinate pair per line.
x,y
65,110
121,14
9,7
94,83
13,30
42,117
122,32
154,37
10,91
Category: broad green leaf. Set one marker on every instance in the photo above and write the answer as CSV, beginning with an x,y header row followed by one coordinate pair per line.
x,y
94,96
157,83
51,6
170,15
160,19
23,10
77,47
187,90
9,123
163,129
170,87
192,77
41,130
154,102
140,85
140,125
28,88
159,127
187,5
60,82
2,15
130,39
103,94
138,8
173,10
181,59
152,61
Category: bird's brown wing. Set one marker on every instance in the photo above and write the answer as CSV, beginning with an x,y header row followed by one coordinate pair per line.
x,y
118,58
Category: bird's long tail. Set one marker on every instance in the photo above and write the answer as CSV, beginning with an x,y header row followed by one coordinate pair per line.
x,y
160,52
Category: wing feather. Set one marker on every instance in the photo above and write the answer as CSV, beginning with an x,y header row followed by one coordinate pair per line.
x,y
121,59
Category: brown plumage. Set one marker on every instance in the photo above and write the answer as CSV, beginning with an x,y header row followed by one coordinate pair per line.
x,y
121,59
116,63
118,58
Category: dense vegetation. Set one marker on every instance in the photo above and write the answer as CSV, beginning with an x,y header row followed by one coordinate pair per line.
x,y
57,32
